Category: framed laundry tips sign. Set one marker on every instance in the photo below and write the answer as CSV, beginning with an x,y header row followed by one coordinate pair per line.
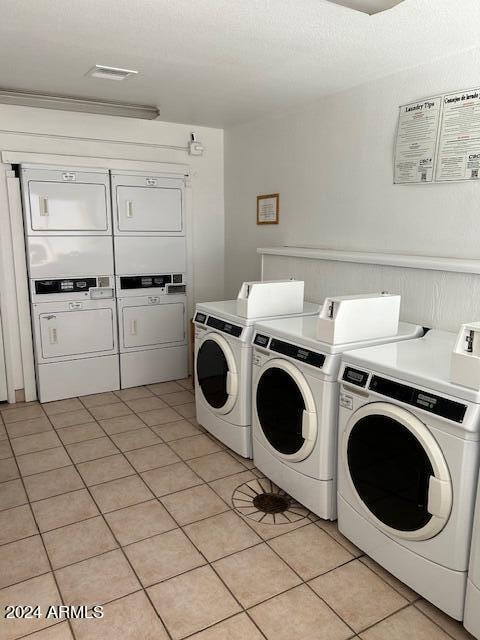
x,y
268,208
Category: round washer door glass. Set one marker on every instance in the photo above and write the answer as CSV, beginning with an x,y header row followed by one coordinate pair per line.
x,y
280,407
391,472
212,373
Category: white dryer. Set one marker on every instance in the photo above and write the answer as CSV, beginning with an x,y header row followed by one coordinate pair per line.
x,y
152,318
223,372
471,619
408,463
75,336
295,407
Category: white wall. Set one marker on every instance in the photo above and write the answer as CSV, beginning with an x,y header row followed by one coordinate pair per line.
x,y
45,131
331,162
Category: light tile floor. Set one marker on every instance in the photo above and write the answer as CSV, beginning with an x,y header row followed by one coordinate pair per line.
x,y
122,499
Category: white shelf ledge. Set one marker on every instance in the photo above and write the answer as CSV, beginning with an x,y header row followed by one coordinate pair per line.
x,y
387,259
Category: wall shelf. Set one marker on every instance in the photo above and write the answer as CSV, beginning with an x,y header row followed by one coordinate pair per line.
x,y
432,263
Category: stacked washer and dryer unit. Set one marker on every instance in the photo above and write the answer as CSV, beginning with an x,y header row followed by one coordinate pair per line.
x,y
72,262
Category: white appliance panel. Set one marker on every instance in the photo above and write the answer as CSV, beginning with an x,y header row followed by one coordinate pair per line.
x,y
150,323
69,256
153,365
147,209
141,255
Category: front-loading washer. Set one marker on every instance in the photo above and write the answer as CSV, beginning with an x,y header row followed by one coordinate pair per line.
x,y
295,407
223,371
471,618
408,454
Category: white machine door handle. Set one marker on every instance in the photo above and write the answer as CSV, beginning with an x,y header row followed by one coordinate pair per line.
x,y
307,425
129,208
231,383
133,327
439,497
52,335
43,200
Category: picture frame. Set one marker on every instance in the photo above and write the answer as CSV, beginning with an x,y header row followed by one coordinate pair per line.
x,y
268,208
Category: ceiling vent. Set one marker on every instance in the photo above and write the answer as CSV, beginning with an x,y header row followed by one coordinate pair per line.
x,y
368,6
110,73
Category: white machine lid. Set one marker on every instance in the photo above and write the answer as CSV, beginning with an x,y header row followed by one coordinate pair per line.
x,y
226,310
425,361
302,331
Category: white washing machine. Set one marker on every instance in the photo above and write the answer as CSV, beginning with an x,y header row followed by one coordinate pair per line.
x,y
295,407
471,619
408,464
75,336
152,318
223,372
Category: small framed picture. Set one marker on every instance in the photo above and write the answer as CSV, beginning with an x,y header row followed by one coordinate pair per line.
x,y
268,208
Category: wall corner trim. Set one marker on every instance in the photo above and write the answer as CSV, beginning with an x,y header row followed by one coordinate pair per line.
x,y
432,263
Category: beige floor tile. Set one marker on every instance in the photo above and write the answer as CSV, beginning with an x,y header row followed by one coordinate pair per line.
x,y
106,411
57,632
121,424
12,494
192,601
78,541
8,470
332,529
129,618
80,433
133,393
161,388
299,614
226,486
271,531
179,397
22,413
402,589
194,446
160,416
240,627
16,523
452,627
91,449
408,624
47,460
186,383
146,404
71,418
52,483
99,399
121,493
216,465
163,556
97,580
3,431
358,595
5,450
194,504
105,469
187,410
27,427
40,591
152,457
139,521
175,430
135,439
256,574
221,535
35,442
166,480
62,406
310,551
64,509
22,560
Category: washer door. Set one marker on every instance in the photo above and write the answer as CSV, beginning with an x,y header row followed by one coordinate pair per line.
x,y
286,410
217,373
398,471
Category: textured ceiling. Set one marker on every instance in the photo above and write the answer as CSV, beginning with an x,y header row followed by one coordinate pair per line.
x,y
218,62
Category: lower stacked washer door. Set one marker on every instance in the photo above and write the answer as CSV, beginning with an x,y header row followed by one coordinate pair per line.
x,y
75,347
153,339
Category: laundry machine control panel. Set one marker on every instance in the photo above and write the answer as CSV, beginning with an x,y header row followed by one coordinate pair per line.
x,y
53,289
164,283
